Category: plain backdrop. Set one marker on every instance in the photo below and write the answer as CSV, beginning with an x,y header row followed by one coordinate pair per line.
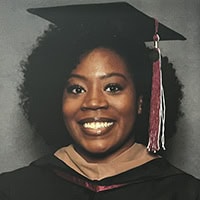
x,y
18,32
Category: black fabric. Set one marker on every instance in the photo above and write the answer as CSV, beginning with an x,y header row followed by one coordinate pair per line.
x,y
116,19
155,180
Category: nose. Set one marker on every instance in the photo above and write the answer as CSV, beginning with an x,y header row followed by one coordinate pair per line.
x,y
94,100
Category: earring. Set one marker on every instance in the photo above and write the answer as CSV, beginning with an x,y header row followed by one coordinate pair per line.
x,y
140,105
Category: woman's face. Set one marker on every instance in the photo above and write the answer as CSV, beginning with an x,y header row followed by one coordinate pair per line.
x,y
99,103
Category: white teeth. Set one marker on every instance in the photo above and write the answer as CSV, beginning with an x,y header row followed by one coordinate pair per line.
x,y
97,125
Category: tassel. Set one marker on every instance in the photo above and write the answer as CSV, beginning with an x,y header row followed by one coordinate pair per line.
x,y
157,102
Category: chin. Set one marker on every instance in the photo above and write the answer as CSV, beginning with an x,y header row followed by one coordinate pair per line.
x,y
95,150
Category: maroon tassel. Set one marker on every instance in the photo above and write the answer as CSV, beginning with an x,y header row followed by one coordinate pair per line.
x,y
157,102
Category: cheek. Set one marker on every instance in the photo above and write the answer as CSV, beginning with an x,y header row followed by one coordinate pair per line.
x,y
66,110
69,109
126,105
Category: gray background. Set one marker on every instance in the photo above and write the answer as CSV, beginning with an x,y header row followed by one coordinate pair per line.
x,y
18,32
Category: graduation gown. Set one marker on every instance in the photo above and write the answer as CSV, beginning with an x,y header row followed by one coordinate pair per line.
x,y
51,179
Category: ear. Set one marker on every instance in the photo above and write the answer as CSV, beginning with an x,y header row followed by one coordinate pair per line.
x,y
139,105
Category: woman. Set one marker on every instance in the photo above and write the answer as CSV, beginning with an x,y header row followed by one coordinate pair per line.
x,y
97,86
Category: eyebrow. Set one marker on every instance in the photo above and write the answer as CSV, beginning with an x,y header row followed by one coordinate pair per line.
x,y
109,75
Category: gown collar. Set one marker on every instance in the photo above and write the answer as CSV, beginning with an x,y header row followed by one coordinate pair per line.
x,y
134,156
152,170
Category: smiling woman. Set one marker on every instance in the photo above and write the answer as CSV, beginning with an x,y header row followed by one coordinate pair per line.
x,y
94,90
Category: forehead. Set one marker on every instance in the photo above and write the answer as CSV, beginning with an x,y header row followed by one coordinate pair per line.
x,y
101,61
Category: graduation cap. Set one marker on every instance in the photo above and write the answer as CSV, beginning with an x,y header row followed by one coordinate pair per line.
x,y
119,19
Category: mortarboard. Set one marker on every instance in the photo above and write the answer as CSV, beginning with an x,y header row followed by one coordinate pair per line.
x,y
119,19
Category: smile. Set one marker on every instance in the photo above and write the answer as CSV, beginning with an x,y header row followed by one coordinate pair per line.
x,y
97,125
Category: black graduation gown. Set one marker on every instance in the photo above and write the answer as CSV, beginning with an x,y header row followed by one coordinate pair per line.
x,y
50,179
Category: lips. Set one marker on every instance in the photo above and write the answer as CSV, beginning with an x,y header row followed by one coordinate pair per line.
x,y
96,126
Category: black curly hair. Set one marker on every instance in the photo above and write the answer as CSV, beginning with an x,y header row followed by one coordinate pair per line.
x,y
48,66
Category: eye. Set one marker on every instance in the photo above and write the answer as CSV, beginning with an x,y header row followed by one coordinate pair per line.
x,y
75,89
113,88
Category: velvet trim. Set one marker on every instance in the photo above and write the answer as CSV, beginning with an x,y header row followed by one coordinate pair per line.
x,y
86,184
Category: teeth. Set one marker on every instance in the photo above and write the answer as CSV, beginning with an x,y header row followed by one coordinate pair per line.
x,y
97,125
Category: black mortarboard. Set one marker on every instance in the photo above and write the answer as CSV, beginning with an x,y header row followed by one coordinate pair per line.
x,y
120,18
123,20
